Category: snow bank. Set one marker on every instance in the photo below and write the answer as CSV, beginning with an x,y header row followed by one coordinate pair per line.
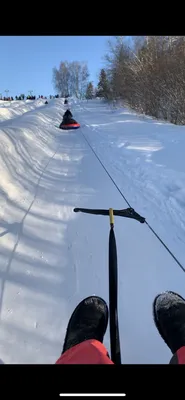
x,y
29,244
13,109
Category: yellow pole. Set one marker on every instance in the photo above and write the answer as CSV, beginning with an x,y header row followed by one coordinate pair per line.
x,y
111,216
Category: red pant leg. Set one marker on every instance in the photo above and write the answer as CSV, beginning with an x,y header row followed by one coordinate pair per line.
x,y
88,352
179,356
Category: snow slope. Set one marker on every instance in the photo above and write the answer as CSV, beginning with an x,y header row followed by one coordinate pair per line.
x,y
51,258
147,158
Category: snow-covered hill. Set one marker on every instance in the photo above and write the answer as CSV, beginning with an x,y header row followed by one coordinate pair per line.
x,y
51,258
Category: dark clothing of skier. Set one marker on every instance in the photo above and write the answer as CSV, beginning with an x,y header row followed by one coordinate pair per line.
x,y
68,114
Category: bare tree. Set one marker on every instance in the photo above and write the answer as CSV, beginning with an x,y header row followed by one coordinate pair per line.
x,y
148,73
71,79
61,78
84,75
74,78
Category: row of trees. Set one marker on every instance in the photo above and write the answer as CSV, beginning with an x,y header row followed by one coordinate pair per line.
x,y
148,73
71,78
102,89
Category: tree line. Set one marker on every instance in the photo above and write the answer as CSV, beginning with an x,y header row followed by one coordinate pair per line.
x,y
72,79
146,72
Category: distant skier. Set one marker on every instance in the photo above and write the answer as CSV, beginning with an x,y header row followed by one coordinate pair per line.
x,y
68,122
83,342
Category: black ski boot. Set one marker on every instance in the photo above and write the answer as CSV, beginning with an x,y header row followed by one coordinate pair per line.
x,y
169,318
88,321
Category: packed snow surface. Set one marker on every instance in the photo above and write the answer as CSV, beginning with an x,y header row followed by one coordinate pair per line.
x,y
51,258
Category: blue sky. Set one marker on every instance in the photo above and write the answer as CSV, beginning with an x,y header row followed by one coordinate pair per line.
x,y
27,61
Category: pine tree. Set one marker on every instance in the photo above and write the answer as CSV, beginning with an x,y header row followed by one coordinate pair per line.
x,y
89,91
103,85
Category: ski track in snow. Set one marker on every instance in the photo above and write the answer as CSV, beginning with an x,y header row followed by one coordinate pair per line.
x,y
51,258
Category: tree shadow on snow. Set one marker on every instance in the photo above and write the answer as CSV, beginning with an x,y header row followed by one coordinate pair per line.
x,y
42,261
